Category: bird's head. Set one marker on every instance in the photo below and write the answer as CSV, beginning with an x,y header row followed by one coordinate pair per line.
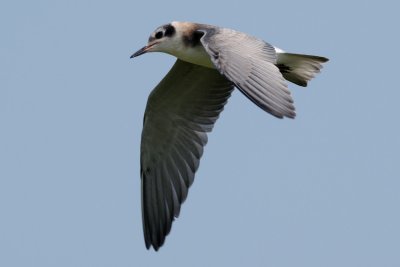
x,y
166,38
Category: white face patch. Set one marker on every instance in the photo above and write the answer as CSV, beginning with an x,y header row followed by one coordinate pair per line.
x,y
167,44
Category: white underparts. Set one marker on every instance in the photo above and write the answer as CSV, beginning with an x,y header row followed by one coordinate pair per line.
x,y
195,55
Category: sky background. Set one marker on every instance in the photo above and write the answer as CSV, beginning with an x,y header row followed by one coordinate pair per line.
x,y
320,190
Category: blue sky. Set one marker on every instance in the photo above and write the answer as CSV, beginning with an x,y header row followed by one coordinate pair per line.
x,y
320,190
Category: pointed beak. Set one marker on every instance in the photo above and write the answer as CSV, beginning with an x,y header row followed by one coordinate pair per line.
x,y
143,50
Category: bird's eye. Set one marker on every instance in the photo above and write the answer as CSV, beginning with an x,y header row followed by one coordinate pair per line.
x,y
159,35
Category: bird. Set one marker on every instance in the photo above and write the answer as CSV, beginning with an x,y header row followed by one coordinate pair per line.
x,y
184,106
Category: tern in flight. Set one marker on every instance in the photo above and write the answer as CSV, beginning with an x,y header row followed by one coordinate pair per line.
x,y
184,106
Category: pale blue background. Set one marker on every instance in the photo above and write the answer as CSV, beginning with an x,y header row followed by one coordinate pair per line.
x,y
320,190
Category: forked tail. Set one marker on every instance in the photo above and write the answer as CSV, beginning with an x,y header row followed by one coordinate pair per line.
x,y
298,68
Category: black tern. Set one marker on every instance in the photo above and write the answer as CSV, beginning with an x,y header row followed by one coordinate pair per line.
x,y
184,106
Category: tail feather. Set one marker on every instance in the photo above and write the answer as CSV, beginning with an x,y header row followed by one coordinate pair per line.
x,y
298,68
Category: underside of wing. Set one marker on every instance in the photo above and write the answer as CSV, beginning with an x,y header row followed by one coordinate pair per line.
x,y
250,64
180,111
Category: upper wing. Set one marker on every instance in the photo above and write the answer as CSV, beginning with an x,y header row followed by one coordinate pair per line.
x,y
250,64
180,111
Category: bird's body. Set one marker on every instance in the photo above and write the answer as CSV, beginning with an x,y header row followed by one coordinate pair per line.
x,y
196,55
186,103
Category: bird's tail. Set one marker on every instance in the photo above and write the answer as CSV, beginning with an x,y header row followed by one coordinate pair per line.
x,y
298,68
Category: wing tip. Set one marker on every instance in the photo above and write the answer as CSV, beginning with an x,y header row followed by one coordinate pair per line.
x,y
154,241
291,116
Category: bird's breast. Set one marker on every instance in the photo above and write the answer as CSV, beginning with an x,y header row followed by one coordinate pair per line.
x,y
195,55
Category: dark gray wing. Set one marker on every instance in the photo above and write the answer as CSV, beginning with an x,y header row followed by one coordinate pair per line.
x,y
250,64
180,111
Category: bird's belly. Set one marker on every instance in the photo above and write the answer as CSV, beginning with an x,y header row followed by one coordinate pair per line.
x,y
196,55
